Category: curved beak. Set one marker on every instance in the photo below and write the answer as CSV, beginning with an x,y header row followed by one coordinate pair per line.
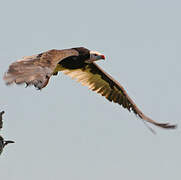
x,y
95,58
103,57
100,57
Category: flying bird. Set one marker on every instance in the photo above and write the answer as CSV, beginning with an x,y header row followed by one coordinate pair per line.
x,y
3,143
1,119
78,63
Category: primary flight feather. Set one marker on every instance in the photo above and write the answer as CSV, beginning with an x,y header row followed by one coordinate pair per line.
x,y
78,63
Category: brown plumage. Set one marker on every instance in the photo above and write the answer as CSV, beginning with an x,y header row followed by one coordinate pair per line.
x,y
79,64
37,69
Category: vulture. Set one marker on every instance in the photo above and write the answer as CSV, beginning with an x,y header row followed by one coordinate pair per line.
x,y
78,63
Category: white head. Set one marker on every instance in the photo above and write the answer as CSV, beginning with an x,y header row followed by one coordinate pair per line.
x,y
94,56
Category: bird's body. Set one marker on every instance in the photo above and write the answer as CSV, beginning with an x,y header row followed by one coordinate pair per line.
x,y
79,64
3,143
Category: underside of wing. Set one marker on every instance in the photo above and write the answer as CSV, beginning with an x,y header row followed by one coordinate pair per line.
x,y
27,71
37,69
99,81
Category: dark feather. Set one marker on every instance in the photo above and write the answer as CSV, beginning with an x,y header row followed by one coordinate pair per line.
x,y
98,80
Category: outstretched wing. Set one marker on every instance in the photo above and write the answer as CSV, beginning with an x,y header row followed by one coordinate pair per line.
x,y
99,81
37,69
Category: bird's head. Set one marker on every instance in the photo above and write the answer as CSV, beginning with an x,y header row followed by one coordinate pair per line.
x,y
95,56
8,142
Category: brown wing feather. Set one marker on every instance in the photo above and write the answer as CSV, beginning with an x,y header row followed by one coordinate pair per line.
x,y
99,81
37,69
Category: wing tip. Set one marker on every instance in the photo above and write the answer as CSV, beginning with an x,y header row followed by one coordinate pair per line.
x,y
8,78
167,125
162,125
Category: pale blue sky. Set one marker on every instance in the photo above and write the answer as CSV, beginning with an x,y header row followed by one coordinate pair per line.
x,y
67,132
